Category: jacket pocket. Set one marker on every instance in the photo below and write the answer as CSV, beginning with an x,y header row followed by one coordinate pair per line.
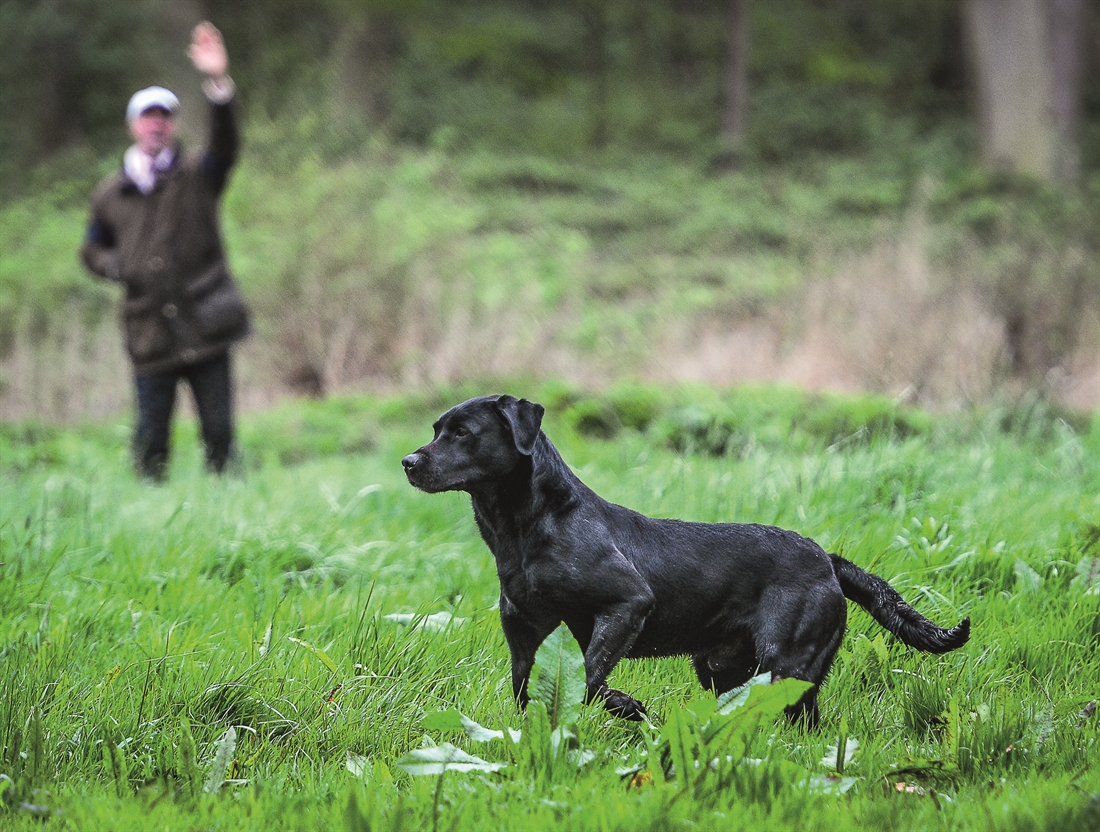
x,y
218,308
148,336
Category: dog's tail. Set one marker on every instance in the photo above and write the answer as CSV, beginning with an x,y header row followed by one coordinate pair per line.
x,y
890,610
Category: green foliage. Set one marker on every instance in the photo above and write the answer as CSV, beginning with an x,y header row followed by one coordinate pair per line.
x,y
420,174
703,746
592,417
402,264
744,417
635,405
545,750
835,419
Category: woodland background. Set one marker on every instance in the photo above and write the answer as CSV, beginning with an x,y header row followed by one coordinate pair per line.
x,y
895,197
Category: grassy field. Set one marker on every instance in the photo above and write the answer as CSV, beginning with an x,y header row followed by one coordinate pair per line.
x,y
291,602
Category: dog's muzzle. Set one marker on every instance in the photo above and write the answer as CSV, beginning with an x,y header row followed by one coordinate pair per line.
x,y
422,472
415,465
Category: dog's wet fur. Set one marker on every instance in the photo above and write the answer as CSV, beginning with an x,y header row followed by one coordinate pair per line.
x,y
739,599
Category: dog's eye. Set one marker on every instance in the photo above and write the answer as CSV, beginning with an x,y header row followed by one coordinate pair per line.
x,y
461,433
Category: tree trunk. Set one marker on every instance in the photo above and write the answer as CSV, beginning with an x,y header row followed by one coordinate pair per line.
x,y
597,31
1066,21
1027,60
735,80
363,57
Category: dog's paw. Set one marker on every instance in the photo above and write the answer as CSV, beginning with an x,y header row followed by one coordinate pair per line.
x,y
623,705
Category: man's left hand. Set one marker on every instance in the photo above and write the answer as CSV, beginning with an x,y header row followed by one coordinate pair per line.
x,y
208,52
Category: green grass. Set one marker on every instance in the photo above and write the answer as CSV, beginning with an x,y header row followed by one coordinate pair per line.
x,y
133,617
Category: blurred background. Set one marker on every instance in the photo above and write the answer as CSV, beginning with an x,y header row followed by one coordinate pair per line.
x,y
901,198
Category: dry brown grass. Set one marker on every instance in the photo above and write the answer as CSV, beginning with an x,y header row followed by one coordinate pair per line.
x,y
884,321
888,321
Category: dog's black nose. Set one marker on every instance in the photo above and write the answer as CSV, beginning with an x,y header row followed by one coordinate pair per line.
x,y
409,462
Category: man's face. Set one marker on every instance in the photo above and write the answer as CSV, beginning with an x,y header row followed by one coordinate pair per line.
x,y
154,130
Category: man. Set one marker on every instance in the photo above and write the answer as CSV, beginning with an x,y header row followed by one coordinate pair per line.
x,y
154,229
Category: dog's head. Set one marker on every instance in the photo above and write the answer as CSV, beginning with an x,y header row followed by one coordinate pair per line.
x,y
475,443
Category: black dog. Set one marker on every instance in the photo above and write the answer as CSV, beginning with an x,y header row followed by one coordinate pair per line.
x,y
738,598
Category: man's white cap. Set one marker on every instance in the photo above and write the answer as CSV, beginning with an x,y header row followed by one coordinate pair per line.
x,y
148,98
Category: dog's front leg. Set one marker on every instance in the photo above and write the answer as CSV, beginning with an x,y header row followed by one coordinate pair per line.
x,y
613,634
523,637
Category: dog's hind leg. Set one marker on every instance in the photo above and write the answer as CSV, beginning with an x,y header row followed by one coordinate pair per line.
x,y
797,637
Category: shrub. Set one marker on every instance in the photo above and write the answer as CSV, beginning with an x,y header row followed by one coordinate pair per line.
x,y
834,419
592,417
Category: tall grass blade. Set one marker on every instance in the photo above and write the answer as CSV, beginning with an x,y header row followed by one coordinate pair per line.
x,y
187,763
114,761
683,744
324,657
36,754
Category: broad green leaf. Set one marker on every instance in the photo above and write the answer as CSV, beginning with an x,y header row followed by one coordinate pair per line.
x,y
880,650
448,720
582,757
561,738
557,679
187,766
840,751
223,758
656,746
479,733
453,720
833,755
1042,724
381,773
357,764
830,784
769,700
953,729
354,818
445,757
265,645
734,726
736,698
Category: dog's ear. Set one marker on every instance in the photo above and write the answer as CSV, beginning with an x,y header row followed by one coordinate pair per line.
x,y
524,419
